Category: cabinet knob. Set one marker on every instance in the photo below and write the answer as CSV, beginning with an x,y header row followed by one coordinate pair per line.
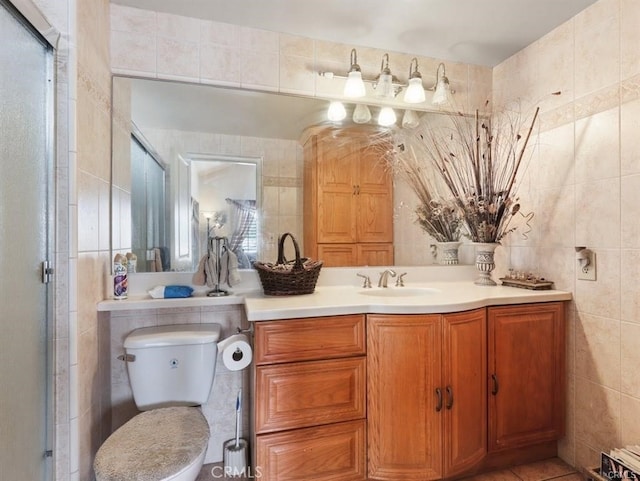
x,y
449,397
438,399
494,390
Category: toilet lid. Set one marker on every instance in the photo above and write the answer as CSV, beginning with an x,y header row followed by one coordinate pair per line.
x,y
153,445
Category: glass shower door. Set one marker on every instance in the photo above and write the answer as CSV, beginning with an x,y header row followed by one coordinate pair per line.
x,y
25,169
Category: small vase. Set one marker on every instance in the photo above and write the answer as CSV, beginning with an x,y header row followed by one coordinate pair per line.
x,y
485,263
448,253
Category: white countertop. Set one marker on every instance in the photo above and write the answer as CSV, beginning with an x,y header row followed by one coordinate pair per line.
x,y
439,297
340,291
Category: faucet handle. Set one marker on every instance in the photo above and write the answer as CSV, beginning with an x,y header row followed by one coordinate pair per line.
x,y
367,281
399,280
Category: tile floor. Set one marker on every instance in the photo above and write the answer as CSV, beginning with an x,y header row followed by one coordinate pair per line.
x,y
551,469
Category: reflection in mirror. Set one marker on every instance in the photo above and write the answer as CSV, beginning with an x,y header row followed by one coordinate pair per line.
x,y
184,126
177,120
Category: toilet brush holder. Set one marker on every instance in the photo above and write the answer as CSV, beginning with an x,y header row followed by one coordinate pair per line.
x,y
235,457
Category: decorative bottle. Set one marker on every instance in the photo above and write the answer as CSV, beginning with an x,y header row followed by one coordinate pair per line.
x,y
120,283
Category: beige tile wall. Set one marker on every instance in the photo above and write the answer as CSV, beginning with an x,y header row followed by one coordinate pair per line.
x,y
93,176
583,184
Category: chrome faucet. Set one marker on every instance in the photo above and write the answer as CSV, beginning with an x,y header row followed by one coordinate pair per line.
x,y
367,281
384,276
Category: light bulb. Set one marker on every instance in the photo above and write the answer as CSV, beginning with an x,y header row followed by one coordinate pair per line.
x,y
415,92
361,114
410,119
354,87
336,112
386,117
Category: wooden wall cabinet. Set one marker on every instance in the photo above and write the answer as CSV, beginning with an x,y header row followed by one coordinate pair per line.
x,y
310,399
426,394
348,201
526,366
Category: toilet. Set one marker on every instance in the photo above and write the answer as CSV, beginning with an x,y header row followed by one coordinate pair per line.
x,y
171,371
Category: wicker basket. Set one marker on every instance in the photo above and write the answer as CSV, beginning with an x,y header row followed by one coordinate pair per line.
x,y
288,278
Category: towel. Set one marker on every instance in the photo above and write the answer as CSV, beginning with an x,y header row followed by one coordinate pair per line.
x,y
166,292
211,270
199,276
157,260
229,268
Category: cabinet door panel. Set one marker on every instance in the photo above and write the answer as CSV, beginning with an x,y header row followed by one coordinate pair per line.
x,y
306,394
375,217
375,254
325,453
337,170
526,356
465,374
404,429
338,255
374,198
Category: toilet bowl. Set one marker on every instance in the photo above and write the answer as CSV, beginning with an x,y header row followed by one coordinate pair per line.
x,y
171,370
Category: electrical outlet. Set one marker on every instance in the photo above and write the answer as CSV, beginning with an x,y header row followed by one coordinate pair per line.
x,y
587,273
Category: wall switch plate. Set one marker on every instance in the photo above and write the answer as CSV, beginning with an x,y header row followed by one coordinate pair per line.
x,y
587,273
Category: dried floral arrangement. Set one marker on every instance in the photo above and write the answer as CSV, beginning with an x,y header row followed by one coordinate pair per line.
x,y
437,216
476,160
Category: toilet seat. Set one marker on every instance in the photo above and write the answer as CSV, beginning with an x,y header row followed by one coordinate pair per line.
x,y
154,445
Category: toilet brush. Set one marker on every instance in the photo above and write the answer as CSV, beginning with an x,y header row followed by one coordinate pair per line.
x,y
235,450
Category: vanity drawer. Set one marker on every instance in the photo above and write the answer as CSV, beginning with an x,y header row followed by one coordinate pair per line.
x,y
323,453
309,393
309,339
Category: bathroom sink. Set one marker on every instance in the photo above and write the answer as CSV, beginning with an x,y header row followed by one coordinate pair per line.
x,y
399,292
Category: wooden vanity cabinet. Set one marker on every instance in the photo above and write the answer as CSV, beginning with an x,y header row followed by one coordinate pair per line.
x,y
526,366
447,395
310,399
348,201
426,414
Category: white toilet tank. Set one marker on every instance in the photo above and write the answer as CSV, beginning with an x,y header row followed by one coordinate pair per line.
x,y
172,365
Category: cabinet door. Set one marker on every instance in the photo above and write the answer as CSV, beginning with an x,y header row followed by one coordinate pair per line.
x,y
374,195
404,425
526,366
338,255
465,392
324,453
375,254
337,171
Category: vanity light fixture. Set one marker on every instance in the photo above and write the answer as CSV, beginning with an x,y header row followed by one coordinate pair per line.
x,y
336,111
442,89
361,114
387,86
415,91
410,119
354,87
386,117
384,84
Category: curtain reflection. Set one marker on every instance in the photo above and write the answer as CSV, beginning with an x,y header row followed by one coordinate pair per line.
x,y
243,222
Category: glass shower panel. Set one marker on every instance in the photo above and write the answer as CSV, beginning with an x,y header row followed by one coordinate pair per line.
x,y
25,169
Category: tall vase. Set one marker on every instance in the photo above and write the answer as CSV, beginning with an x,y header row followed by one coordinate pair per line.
x,y
448,253
485,263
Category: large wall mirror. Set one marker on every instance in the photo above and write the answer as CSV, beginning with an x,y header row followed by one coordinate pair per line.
x,y
185,156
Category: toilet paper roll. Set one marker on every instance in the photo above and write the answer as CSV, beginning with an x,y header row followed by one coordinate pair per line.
x,y
236,352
